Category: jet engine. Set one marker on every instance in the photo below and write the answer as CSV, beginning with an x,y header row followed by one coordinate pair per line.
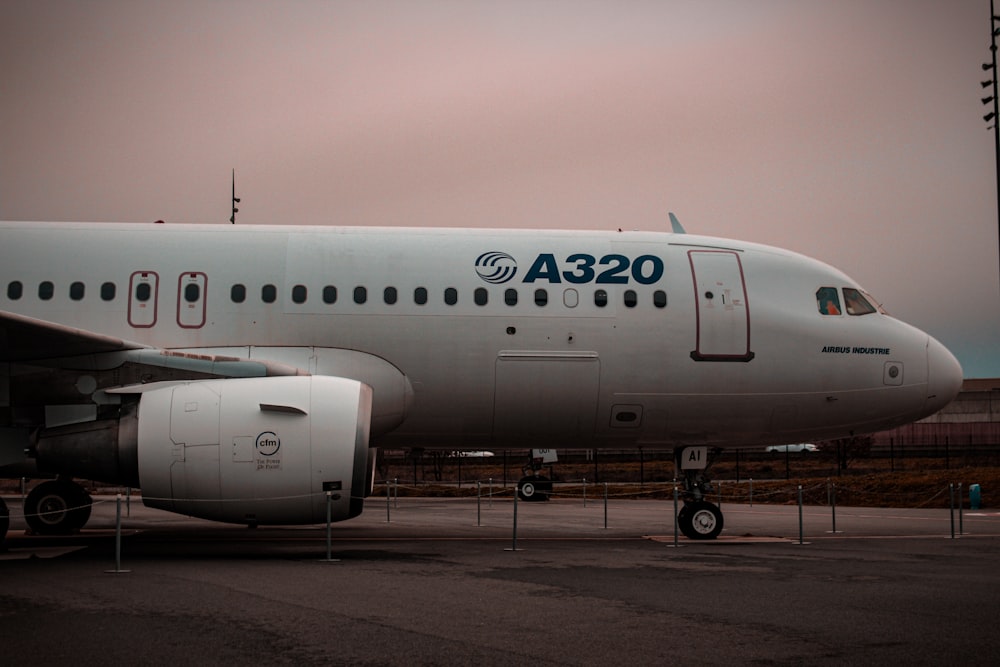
x,y
250,450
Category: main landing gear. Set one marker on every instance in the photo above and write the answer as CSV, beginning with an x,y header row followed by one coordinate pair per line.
x,y
533,486
698,519
57,507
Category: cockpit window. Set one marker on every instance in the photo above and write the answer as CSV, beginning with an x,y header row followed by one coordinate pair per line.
x,y
828,301
856,302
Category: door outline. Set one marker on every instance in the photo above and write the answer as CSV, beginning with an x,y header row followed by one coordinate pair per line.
x,y
191,313
706,321
140,314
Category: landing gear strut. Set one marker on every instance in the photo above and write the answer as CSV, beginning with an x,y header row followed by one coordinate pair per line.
x,y
57,507
533,487
698,519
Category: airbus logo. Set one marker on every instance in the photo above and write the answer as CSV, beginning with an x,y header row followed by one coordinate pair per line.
x,y
496,267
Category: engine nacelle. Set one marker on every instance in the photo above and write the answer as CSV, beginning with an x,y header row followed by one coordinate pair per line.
x,y
256,450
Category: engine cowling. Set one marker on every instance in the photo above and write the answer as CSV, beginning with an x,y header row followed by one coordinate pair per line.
x,y
246,450
256,450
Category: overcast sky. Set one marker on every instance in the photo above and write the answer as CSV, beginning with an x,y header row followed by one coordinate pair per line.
x,y
850,131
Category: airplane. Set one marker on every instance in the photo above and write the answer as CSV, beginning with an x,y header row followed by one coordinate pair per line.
x,y
247,374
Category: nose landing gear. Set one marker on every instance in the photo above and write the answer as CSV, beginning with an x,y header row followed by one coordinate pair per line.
x,y
698,519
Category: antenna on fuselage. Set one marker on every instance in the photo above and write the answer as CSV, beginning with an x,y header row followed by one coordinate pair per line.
x,y
236,200
675,225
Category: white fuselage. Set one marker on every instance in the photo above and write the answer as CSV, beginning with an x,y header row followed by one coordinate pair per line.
x,y
614,339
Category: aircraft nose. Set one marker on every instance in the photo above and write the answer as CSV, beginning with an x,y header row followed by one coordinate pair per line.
x,y
944,376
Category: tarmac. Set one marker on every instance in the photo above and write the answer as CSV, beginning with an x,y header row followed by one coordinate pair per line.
x,y
419,581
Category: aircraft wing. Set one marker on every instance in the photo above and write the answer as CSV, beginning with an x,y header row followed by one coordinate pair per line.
x,y
26,338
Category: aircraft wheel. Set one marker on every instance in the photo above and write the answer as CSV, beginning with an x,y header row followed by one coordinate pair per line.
x,y
533,489
4,520
57,508
700,520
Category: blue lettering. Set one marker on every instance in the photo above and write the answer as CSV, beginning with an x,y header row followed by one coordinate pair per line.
x,y
544,268
583,272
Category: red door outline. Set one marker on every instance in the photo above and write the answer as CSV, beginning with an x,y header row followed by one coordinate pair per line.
x,y
722,308
143,297
191,295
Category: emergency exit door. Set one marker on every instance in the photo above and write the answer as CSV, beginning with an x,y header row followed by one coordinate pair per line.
x,y
721,306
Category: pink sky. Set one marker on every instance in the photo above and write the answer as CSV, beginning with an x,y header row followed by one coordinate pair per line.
x,y
849,131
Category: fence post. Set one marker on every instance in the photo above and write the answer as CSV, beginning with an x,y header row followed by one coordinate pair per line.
x,y
605,506
118,538
951,508
800,514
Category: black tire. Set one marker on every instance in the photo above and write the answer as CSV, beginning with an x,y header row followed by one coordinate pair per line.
x,y
57,508
534,488
700,520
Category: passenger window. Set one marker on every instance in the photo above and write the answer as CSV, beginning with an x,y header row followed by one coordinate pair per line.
x,y
451,296
192,293
360,294
601,298
238,293
631,299
541,297
143,291
76,291
299,294
420,296
660,299
14,290
510,296
108,291
828,301
329,294
268,293
571,298
46,290
856,303
480,296
389,295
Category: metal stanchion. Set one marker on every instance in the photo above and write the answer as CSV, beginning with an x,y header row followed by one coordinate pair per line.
x,y
128,501
831,499
329,536
800,515
395,491
490,482
118,539
951,507
479,503
584,491
961,525
675,544
388,494
605,506
513,546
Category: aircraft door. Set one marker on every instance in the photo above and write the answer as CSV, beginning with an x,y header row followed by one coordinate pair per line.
x,y
721,306
191,299
143,297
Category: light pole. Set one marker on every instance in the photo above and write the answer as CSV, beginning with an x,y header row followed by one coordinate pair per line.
x,y
995,114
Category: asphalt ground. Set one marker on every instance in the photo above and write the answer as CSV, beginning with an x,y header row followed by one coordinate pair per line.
x,y
448,582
